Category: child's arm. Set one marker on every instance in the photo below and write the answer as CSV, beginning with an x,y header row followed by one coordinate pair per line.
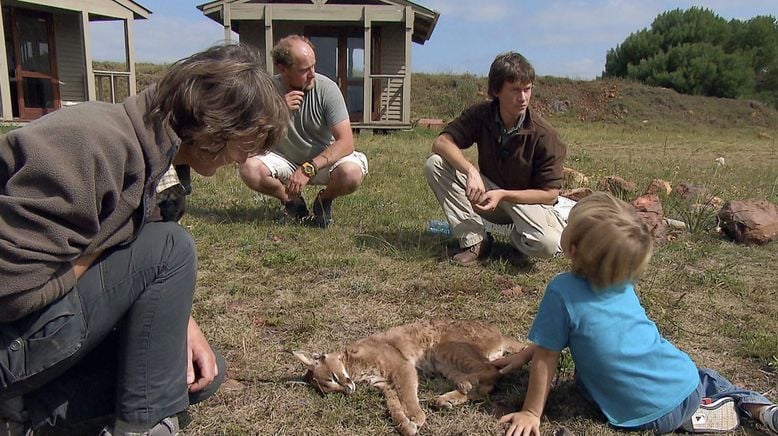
x,y
515,361
527,421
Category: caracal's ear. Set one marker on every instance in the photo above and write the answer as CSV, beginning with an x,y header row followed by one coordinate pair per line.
x,y
306,358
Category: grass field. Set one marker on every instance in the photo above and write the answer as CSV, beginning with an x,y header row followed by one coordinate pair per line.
x,y
265,288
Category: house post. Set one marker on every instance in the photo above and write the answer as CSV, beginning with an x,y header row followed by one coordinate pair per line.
x,y
5,80
269,40
367,71
227,19
130,55
407,80
89,74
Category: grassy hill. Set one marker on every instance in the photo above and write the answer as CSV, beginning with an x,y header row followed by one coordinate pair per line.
x,y
264,288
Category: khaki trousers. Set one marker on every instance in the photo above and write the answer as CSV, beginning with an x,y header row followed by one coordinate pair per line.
x,y
538,227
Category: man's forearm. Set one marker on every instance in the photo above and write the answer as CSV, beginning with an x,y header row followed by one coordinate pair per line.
x,y
531,196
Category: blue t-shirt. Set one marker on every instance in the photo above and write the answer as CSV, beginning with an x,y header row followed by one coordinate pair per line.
x,y
633,374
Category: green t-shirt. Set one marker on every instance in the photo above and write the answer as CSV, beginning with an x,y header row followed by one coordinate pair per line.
x,y
310,128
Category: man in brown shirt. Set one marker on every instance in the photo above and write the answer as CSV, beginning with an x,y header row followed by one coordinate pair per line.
x,y
519,173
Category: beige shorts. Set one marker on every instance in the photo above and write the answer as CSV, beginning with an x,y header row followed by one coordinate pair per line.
x,y
282,169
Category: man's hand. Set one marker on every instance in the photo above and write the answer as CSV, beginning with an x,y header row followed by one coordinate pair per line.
x,y
294,99
490,200
297,183
522,423
201,367
475,189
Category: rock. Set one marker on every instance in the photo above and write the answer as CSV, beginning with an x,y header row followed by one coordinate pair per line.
x,y
698,195
749,221
649,209
658,186
690,192
574,178
616,186
576,194
431,123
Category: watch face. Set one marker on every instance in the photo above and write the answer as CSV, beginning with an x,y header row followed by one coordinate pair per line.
x,y
308,169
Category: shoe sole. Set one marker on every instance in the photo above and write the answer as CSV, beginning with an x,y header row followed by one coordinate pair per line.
x,y
720,416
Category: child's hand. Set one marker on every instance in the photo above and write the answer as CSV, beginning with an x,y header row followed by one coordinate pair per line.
x,y
514,361
522,423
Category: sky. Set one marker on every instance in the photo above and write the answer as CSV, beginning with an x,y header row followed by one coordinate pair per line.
x,y
564,38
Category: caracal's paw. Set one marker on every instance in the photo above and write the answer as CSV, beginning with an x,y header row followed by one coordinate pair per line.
x,y
408,428
451,399
418,418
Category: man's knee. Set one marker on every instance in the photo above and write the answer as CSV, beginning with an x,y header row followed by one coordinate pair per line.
x,y
433,167
170,243
348,176
253,171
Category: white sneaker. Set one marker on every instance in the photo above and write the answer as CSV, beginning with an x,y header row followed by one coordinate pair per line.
x,y
718,416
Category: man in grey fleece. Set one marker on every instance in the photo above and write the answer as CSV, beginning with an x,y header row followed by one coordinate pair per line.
x,y
95,302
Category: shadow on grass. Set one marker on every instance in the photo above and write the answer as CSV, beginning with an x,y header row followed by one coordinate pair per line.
x,y
236,214
414,245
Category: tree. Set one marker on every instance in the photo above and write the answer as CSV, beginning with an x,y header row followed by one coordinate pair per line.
x,y
697,52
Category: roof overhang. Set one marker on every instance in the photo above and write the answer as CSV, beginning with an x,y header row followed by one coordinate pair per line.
x,y
103,9
424,19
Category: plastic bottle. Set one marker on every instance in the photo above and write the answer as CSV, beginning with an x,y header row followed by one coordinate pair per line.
x,y
438,227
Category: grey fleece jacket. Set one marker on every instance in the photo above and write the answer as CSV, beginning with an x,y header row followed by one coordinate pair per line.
x,y
75,182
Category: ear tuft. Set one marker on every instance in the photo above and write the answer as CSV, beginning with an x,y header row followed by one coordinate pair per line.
x,y
304,357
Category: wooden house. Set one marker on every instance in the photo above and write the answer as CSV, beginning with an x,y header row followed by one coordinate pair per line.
x,y
46,54
363,45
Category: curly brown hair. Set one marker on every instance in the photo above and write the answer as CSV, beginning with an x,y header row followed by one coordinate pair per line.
x,y
220,94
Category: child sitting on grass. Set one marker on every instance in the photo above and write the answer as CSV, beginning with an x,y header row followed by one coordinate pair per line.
x,y
638,379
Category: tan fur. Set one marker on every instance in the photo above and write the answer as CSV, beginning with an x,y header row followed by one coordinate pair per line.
x,y
460,350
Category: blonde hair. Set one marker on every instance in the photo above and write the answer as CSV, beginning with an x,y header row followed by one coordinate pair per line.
x,y
220,94
608,242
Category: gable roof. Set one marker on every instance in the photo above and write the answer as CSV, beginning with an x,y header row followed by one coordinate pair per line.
x,y
424,20
104,9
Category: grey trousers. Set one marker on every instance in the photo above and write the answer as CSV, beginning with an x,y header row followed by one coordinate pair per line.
x,y
537,227
116,343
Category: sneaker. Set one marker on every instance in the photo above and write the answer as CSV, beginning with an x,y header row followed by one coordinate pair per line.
x,y
713,417
769,417
471,255
166,427
322,211
295,209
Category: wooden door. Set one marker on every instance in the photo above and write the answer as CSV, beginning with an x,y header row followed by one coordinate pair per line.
x,y
34,57
340,55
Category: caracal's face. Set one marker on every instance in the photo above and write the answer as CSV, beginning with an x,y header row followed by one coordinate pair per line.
x,y
327,373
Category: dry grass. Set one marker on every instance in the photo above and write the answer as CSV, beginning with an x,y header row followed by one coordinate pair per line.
x,y
265,288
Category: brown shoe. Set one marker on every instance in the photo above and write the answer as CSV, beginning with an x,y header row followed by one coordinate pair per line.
x,y
474,253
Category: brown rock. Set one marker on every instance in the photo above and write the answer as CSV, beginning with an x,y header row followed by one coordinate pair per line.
x,y
649,209
574,178
616,186
658,186
750,221
576,194
691,192
431,123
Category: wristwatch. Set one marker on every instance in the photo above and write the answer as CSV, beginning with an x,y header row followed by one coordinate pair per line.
x,y
309,169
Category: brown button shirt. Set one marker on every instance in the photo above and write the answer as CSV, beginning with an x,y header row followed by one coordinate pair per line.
x,y
530,158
